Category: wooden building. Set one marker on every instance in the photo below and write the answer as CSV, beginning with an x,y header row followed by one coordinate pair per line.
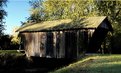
x,y
64,38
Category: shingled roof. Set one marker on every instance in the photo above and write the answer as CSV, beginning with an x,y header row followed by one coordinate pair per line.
x,y
87,22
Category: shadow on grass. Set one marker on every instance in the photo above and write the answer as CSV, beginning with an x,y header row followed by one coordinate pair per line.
x,y
20,64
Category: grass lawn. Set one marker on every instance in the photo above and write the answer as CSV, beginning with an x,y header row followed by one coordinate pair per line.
x,y
94,64
14,52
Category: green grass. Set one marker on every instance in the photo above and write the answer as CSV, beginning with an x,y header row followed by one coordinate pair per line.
x,y
13,52
94,64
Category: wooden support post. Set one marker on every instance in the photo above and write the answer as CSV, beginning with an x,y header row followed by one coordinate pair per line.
x,y
77,44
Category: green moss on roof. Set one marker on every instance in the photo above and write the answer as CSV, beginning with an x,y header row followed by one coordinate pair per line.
x,y
88,22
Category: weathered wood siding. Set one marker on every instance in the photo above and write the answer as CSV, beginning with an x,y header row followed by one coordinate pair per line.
x,y
83,38
34,43
71,44
49,45
58,44
42,43
28,44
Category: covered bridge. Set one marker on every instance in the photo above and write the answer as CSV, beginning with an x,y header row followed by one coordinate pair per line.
x,y
64,38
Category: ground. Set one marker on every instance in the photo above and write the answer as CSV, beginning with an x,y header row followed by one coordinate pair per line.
x,y
94,64
12,61
13,52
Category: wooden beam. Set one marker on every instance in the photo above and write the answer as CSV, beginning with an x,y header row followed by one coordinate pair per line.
x,y
59,30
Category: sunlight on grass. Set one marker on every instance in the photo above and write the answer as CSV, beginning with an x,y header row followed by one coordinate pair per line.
x,y
94,64
13,52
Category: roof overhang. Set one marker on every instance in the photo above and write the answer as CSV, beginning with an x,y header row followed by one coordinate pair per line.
x,y
64,24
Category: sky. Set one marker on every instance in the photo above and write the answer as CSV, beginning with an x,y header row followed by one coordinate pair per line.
x,y
17,11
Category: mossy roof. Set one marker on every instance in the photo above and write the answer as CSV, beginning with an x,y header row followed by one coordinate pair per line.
x,y
86,22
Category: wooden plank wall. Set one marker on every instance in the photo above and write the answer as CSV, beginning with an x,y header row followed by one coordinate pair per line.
x,y
49,45
84,37
42,42
71,44
27,44
57,44
34,44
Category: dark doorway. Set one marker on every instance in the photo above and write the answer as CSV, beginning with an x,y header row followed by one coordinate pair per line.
x,y
97,39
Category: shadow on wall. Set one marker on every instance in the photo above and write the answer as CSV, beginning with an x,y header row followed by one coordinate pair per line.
x,y
97,38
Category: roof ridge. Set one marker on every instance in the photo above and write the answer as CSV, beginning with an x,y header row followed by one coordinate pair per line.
x,y
62,23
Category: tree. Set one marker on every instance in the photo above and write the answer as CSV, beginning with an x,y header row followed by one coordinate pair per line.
x,y
2,14
36,11
15,39
5,39
112,9
60,9
68,9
